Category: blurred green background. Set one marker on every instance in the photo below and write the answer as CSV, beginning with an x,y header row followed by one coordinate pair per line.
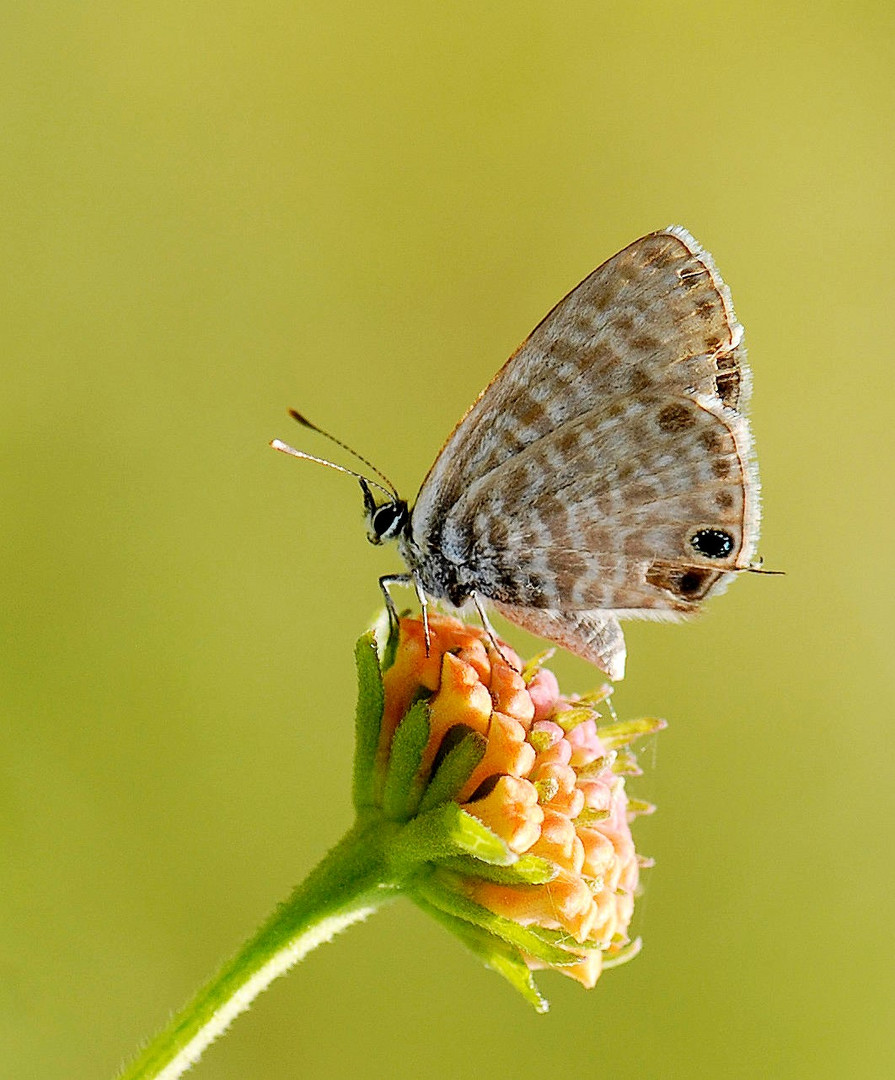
x,y
213,211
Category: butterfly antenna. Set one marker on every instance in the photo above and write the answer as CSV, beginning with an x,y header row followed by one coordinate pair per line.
x,y
305,422
285,448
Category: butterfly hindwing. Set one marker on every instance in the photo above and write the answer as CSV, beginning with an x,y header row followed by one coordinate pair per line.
x,y
593,635
625,502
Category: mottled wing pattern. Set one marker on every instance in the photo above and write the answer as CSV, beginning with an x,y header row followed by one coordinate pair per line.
x,y
614,435
630,483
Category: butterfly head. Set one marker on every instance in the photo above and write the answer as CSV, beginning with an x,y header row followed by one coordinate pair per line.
x,y
387,520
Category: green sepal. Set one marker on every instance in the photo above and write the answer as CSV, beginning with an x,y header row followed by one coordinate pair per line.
x,y
494,953
527,870
546,789
625,764
562,939
541,740
569,719
623,955
596,697
595,767
590,816
442,896
640,808
534,664
623,732
368,719
390,638
403,785
446,832
454,770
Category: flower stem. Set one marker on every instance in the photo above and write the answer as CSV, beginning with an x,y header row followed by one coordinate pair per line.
x,y
351,882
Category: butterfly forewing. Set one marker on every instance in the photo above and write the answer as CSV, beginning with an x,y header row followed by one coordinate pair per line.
x,y
608,465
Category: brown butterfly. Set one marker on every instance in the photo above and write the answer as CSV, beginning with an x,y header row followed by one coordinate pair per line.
x,y
606,471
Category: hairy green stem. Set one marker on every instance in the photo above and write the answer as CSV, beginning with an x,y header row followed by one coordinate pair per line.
x,y
351,882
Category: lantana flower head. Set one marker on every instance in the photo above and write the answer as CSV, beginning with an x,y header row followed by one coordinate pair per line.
x,y
508,798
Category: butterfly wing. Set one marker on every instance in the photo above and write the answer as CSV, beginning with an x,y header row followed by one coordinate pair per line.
x,y
608,466
635,507
593,635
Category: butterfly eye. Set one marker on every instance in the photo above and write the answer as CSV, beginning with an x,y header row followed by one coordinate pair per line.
x,y
387,520
713,543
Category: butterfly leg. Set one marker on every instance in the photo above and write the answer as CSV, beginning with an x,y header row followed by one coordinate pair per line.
x,y
424,607
489,629
384,583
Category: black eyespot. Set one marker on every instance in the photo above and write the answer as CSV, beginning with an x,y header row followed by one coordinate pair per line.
x,y
690,582
713,543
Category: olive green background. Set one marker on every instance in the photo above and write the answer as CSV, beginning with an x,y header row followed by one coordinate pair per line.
x,y
212,211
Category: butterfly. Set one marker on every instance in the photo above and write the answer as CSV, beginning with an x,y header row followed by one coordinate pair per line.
x,y
607,470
